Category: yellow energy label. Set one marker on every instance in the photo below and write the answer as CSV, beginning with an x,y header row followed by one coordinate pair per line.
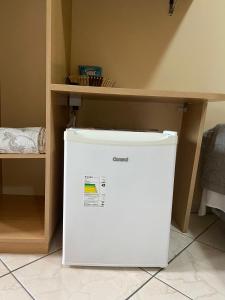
x,y
90,188
94,188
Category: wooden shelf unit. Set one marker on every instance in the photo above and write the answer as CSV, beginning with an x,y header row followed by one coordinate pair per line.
x,y
111,107
22,217
23,104
190,134
27,223
22,224
147,94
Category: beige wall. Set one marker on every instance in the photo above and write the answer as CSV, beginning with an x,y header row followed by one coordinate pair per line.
x,y
137,44
140,46
215,115
22,77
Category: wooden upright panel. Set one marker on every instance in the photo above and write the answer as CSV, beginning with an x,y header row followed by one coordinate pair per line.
x,y
0,160
58,62
188,152
57,124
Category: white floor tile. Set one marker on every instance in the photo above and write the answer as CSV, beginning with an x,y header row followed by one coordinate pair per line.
x,y
157,290
3,270
10,289
197,224
178,242
46,279
14,261
198,272
215,236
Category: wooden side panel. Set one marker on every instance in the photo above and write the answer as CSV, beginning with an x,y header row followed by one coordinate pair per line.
x,y
197,191
57,121
57,67
188,153
0,125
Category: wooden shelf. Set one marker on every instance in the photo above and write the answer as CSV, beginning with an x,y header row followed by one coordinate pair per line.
x,y
150,95
21,156
22,224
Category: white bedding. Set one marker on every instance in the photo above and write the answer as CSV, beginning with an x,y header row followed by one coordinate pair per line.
x,y
22,140
211,199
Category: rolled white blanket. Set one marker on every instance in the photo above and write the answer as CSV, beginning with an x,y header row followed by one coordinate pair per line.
x,y
22,140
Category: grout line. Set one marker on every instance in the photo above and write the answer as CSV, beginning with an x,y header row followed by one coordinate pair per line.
x,y
194,240
32,297
183,234
187,234
143,269
161,269
10,273
178,231
5,274
181,252
211,224
140,287
152,276
174,288
156,272
210,246
33,261
5,266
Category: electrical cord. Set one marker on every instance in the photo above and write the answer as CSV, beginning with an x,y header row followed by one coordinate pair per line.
x,y
172,5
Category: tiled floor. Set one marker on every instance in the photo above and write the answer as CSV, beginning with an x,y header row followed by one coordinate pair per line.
x,y
196,271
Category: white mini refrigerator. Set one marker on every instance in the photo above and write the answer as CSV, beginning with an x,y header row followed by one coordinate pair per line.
x,y
118,188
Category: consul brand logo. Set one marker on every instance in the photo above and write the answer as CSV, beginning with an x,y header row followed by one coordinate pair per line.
x,y
124,159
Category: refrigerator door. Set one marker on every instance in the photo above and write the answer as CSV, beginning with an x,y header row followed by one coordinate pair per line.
x,y
117,200
116,137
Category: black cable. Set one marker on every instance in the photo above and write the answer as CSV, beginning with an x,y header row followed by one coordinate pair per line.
x,y
172,4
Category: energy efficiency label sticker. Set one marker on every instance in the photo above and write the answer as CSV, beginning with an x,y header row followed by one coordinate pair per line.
x,y
94,191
